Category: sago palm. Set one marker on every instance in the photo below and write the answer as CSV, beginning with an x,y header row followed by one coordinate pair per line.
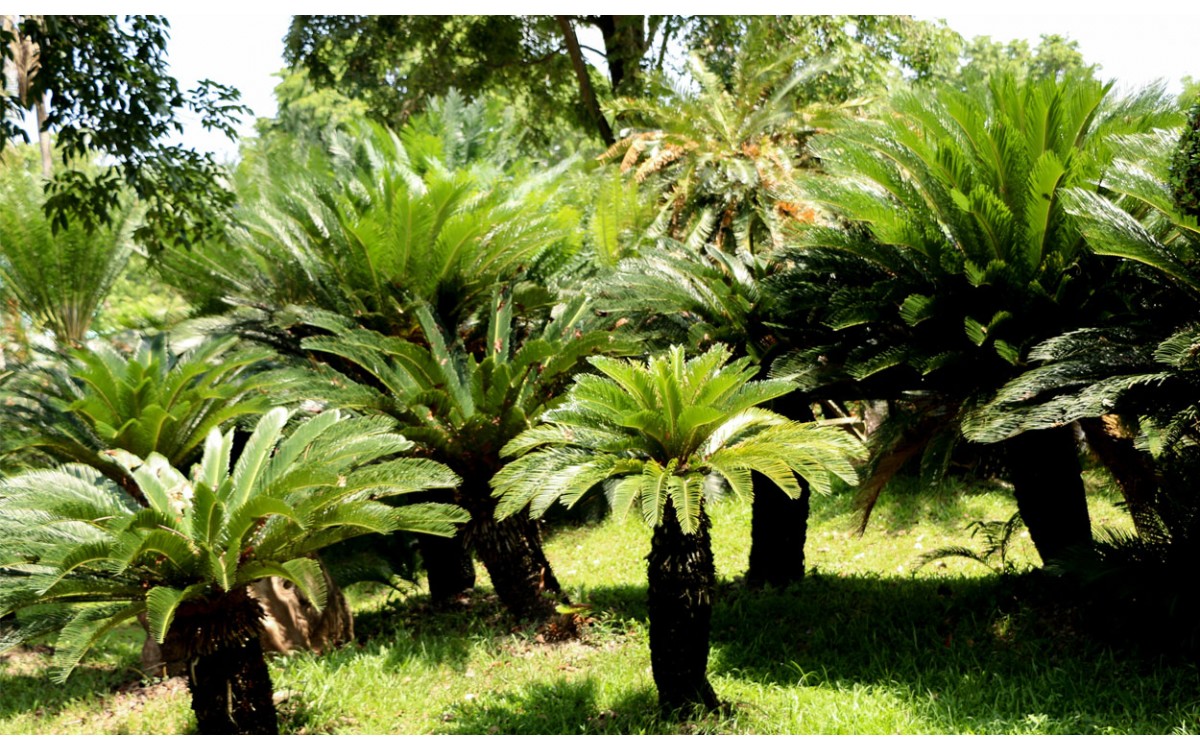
x,y
954,256
59,278
97,399
668,436
708,296
79,556
375,232
462,398
1136,377
724,156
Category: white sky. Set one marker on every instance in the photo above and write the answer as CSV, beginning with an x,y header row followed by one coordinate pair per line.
x,y
247,50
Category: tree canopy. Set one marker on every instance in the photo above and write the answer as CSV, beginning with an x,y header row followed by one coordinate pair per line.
x,y
101,86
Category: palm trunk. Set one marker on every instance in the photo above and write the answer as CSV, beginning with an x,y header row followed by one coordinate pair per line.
x,y
681,578
511,551
447,561
778,532
448,566
226,670
779,524
1043,466
1132,469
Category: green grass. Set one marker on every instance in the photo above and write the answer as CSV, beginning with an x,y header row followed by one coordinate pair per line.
x,y
863,646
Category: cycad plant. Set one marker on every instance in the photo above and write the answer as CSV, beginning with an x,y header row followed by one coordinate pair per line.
x,y
1134,385
79,556
58,278
723,156
381,233
706,296
953,256
668,436
96,399
462,399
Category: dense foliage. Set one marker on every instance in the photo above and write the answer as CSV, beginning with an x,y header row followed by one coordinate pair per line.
x,y
700,265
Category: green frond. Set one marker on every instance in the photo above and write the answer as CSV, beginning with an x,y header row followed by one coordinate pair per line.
x,y
84,630
161,603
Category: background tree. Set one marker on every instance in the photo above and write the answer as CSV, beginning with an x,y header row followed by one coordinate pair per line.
x,y
363,56
868,52
110,93
59,278
1055,57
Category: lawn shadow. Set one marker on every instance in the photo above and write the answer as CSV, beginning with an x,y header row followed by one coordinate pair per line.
x,y
561,706
35,691
980,655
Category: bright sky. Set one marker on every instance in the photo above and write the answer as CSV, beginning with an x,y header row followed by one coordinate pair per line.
x,y
247,50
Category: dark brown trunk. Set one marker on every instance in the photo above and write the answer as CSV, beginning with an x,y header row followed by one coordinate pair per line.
x,y
1132,469
625,46
448,566
586,93
511,551
681,578
226,670
778,532
1043,466
779,524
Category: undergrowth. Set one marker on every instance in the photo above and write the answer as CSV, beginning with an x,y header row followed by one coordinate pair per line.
x,y
866,645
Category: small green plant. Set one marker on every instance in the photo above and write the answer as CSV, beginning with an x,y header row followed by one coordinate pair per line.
x,y
79,556
997,542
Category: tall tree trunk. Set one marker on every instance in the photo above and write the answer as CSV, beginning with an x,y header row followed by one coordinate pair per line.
x,y
625,46
44,139
586,93
226,670
511,551
1043,466
681,578
779,524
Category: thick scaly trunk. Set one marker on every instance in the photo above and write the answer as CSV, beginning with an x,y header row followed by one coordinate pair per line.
x,y
448,566
1043,466
779,524
778,531
511,551
289,623
1132,469
681,578
226,670
447,560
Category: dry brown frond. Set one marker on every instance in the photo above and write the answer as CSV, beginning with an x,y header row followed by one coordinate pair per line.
x,y
665,156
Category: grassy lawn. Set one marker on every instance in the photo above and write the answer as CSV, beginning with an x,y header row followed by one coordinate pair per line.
x,y
866,645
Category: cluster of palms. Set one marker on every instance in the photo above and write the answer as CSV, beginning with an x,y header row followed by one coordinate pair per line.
x,y
994,264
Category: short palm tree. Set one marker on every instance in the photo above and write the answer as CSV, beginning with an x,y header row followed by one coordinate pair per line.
x,y
462,399
667,436
724,156
58,277
79,556
97,399
953,257
707,296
